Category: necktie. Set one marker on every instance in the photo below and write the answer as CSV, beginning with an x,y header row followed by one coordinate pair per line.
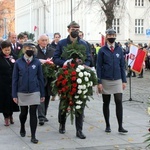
x,y
28,61
112,48
14,47
44,51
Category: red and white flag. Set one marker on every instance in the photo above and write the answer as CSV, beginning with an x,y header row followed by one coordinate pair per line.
x,y
136,58
35,28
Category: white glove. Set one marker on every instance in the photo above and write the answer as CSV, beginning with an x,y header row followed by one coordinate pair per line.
x,y
67,61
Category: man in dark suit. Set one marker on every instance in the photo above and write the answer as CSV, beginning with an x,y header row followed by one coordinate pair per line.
x,y
44,51
15,46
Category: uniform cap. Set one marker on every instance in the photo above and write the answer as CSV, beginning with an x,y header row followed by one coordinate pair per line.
x,y
110,31
29,44
73,24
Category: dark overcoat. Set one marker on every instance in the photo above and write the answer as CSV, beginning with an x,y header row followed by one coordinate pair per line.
x,y
6,102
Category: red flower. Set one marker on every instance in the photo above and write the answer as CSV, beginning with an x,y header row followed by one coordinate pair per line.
x,y
66,72
73,73
74,85
71,93
60,78
72,65
71,103
66,87
73,78
64,82
74,90
63,89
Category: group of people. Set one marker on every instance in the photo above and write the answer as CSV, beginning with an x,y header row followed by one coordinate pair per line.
x,y
27,90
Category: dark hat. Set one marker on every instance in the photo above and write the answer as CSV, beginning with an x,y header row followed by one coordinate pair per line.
x,y
110,31
140,44
73,24
29,44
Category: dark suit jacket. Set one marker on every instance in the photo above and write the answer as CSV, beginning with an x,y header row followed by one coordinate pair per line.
x,y
17,49
41,55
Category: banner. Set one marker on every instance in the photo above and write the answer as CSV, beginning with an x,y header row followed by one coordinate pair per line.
x,y
136,58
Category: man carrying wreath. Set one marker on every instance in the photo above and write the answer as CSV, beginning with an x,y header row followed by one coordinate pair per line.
x,y
73,30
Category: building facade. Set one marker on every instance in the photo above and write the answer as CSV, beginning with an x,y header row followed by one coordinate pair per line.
x,y
50,16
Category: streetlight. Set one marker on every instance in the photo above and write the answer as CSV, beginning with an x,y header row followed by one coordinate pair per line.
x,y
4,36
71,10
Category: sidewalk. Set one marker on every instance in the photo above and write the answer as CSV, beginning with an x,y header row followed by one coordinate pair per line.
x,y
136,121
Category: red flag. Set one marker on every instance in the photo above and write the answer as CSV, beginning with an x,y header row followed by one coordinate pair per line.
x,y
102,40
136,58
35,28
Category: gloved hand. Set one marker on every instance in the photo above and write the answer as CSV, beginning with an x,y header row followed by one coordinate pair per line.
x,y
67,61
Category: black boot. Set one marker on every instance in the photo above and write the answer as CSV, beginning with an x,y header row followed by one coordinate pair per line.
x,y
22,132
122,130
62,128
80,135
34,140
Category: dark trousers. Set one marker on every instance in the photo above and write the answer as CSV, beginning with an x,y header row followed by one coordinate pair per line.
x,y
78,119
42,108
33,118
119,108
7,115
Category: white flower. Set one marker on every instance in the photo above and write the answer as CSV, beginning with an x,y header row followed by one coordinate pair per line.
x,y
78,70
78,107
89,74
79,102
86,79
79,92
79,81
85,73
80,74
88,84
85,91
91,83
80,87
81,67
84,86
84,96
76,96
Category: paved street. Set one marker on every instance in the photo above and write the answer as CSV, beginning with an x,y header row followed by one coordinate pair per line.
x,y
136,121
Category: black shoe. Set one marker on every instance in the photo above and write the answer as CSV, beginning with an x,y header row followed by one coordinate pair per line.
x,y
62,128
46,120
122,130
80,135
134,76
34,140
108,130
140,77
23,133
41,122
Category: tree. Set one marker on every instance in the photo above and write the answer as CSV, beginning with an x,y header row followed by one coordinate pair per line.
x,y
7,10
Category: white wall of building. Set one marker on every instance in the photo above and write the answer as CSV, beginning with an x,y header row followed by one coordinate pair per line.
x,y
52,16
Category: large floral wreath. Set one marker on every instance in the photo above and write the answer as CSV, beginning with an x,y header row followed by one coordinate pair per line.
x,y
74,82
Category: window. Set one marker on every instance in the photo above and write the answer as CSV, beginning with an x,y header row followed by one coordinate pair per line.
x,y
139,2
139,26
118,2
116,25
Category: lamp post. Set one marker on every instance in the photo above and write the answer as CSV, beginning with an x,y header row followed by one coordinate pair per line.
x,y
71,10
4,28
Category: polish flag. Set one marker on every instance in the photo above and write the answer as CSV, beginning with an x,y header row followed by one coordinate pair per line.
x,y
136,58
102,40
